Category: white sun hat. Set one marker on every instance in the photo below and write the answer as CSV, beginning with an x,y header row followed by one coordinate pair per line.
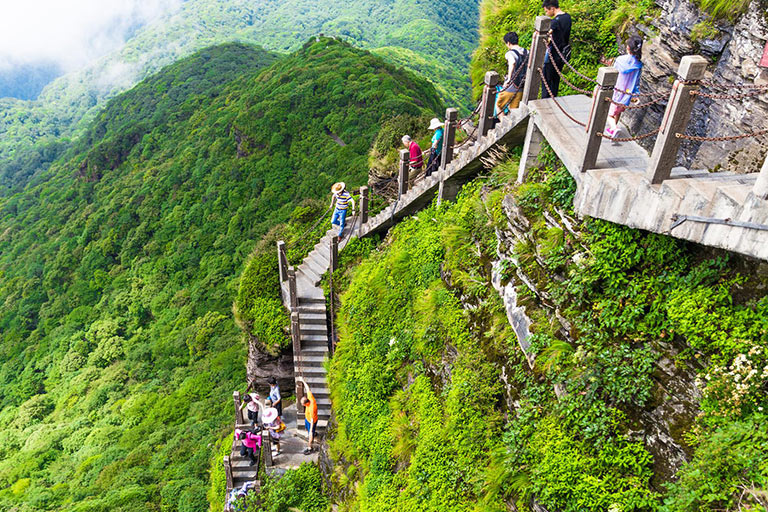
x,y
270,414
435,123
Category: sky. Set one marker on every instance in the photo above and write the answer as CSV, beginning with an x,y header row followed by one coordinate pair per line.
x,y
70,33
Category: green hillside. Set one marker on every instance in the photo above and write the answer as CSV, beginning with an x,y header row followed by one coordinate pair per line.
x,y
436,38
118,266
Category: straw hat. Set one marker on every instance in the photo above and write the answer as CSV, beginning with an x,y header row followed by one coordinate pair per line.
x,y
435,123
338,187
270,414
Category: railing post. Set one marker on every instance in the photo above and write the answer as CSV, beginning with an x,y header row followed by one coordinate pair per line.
x,y
238,412
536,59
282,260
601,103
676,117
449,137
488,102
761,185
334,253
266,447
228,472
292,292
402,176
363,205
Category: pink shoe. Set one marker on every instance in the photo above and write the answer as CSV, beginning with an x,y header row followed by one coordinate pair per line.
x,y
611,134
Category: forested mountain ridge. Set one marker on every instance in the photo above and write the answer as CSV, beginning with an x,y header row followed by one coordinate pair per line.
x,y
118,265
435,39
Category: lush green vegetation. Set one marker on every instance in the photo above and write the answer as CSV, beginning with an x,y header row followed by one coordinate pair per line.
x,y
118,266
424,422
426,37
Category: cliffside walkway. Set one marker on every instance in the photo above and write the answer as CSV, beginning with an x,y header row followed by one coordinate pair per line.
x,y
617,180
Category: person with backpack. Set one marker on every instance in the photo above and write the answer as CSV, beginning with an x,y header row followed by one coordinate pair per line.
x,y
628,84
560,37
517,59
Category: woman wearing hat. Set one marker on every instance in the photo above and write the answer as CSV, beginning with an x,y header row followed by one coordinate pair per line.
x,y
272,422
437,146
342,199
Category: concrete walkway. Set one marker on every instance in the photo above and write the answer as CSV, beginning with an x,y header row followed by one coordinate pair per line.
x,y
292,445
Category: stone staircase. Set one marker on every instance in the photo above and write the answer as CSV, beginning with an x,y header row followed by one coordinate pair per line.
x,y
314,335
242,471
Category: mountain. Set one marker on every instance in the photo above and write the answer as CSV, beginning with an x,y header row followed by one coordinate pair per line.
x,y
435,38
118,265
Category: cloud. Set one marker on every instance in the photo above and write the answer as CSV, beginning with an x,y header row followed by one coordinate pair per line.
x,y
71,33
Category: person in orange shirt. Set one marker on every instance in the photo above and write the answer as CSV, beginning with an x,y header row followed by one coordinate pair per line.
x,y
310,415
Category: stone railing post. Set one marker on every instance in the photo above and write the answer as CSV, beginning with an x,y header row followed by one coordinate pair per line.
x,y
601,103
292,292
238,412
449,137
761,185
487,104
363,205
334,253
266,447
228,472
536,58
676,117
402,176
282,260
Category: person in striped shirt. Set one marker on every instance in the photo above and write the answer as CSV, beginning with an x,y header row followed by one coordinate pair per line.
x,y
342,199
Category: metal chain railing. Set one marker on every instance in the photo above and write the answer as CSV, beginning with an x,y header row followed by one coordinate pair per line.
x,y
729,96
723,138
564,79
629,139
552,97
639,105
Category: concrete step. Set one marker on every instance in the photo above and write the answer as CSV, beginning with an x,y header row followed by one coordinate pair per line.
x,y
308,369
312,359
240,481
313,337
312,317
316,264
309,274
313,329
314,349
310,301
737,192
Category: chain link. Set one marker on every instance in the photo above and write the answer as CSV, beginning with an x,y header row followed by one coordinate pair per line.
x,y
629,139
723,138
552,97
729,96
564,79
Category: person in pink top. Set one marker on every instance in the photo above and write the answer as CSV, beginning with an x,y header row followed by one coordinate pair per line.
x,y
251,442
416,160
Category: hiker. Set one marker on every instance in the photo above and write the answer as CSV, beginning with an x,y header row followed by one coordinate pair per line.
x,y
628,84
274,396
512,91
251,442
273,423
251,405
342,199
416,159
437,146
310,415
560,36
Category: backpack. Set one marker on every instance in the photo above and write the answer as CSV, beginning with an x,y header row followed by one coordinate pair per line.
x,y
519,72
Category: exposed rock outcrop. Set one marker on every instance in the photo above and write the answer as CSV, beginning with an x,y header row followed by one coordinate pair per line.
x,y
735,50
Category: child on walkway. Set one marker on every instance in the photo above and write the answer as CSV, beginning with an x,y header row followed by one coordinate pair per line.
x,y
628,84
251,404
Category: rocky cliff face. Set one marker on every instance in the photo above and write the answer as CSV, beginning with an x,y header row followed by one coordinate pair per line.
x,y
735,50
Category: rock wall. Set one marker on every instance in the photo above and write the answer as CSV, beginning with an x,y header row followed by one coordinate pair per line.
x,y
260,366
735,50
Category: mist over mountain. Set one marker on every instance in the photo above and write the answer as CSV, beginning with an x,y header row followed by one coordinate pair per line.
x,y
434,39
